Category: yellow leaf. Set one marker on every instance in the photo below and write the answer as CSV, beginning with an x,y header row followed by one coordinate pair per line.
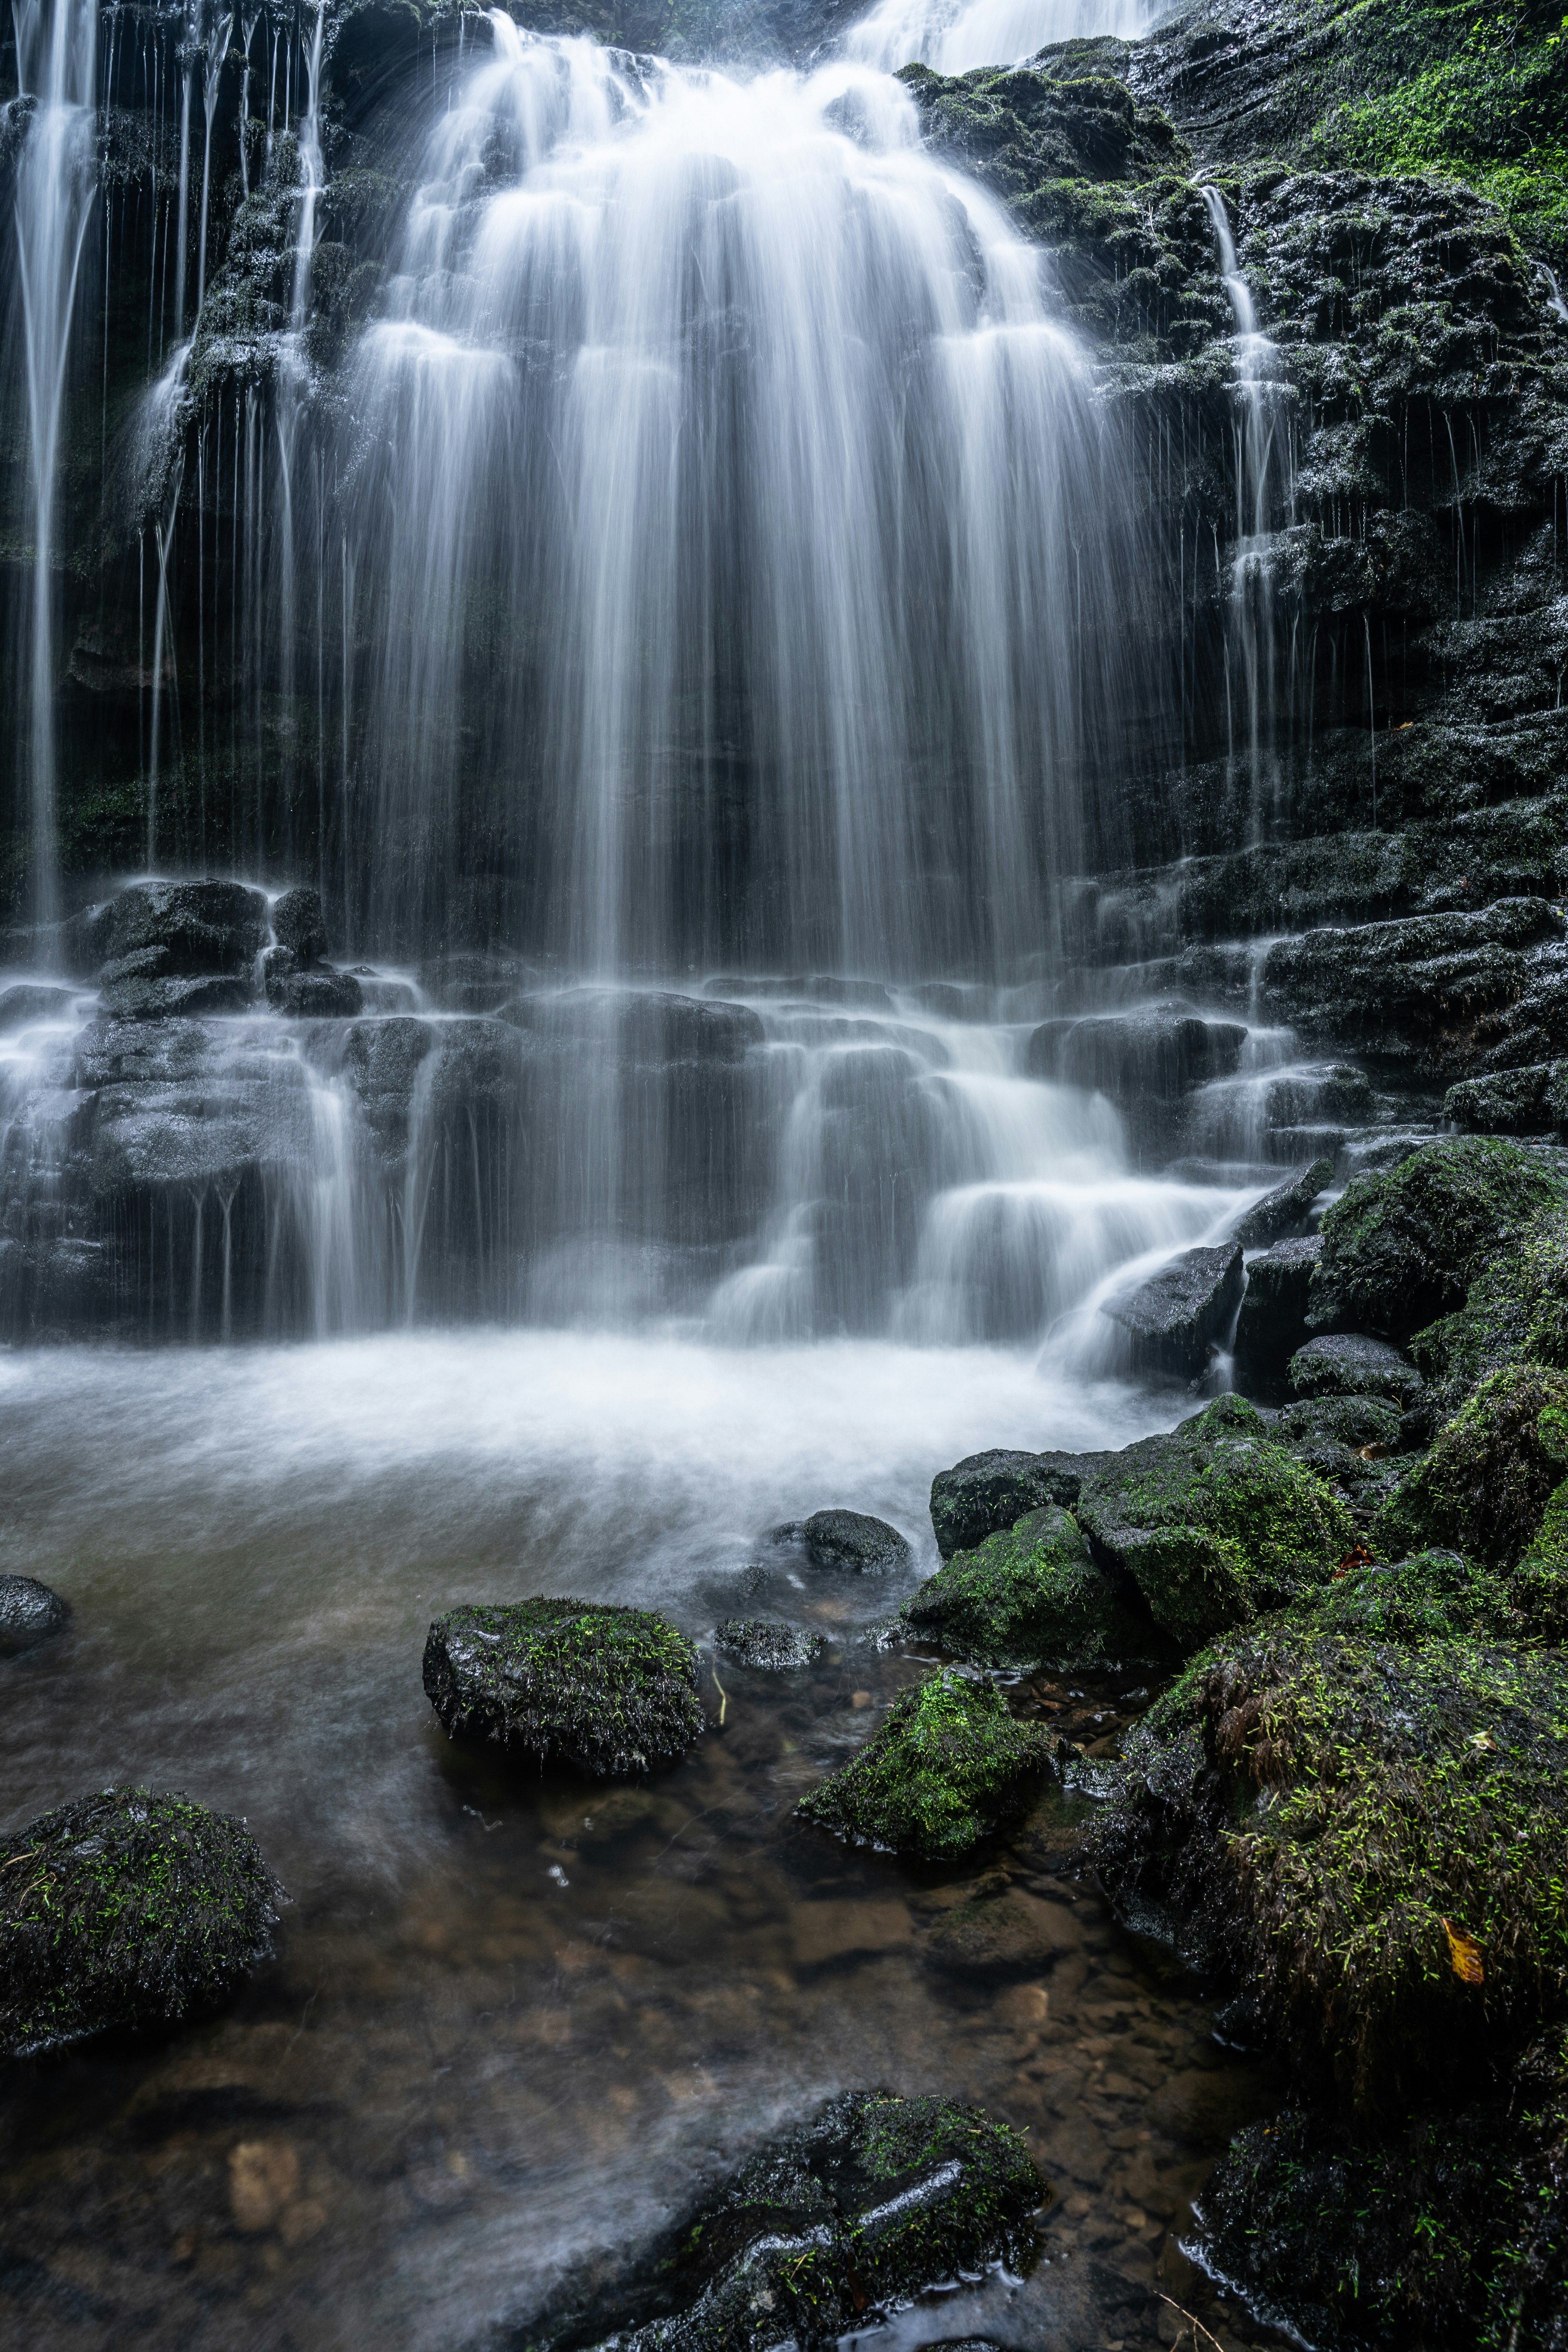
x,y
1464,1954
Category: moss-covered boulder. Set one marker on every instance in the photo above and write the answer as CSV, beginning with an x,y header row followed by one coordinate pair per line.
x,y
1212,1521
1515,1311
767,1643
1030,1597
124,1911
1403,1247
1358,1810
823,2231
572,1683
1350,1364
987,1493
1487,1480
1447,2234
947,1766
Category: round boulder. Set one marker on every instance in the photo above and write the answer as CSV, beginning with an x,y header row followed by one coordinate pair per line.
x,y
767,1643
126,1910
30,1614
1350,1364
852,1539
948,1766
576,1684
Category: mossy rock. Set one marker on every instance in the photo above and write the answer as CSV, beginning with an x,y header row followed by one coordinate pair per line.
x,y
1403,1247
572,1684
1213,1521
825,2232
1031,1597
947,1766
126,1911
1516,1311
1447,2233
1486,1482
1344,1799
767,1643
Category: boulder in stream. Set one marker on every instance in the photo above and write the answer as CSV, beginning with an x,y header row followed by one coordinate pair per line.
x,y
826,2229
853,1539
1272,1323
126,1910
1349,1363
947,1766
767,1643
572,1684
30,1614
1288,1204
1176,1316
990,1491
300,925
1031,1596
201,927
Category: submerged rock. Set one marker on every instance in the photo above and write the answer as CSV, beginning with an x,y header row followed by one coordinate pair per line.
x,y
1402,1246
1180,1313
124,1910
1349,1364
318,994
853,1539
1272,1323
1357,1807
767,1643
987,1492
1032,1596
825,2230
572,1684
1008,1934
1288,1204
947,1766
30,1614
1213,1521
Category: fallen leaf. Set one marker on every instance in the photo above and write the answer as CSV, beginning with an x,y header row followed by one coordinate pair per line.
x,y
1466,1955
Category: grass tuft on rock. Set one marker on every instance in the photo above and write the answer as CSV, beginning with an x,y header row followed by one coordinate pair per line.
x,y
126,1911
574,1683
947,1766
1031,1596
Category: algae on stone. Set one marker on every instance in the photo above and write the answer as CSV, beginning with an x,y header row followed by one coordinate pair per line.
x,y
1032,1596
947,1766
578,1683
1487,1480
1213,1521
126,1910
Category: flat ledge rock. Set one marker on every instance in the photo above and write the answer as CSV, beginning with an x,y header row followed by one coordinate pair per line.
x,y
571,1684
825,2230
30,1614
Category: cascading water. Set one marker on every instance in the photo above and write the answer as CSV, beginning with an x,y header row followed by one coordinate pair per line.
x,y
953,36
57,48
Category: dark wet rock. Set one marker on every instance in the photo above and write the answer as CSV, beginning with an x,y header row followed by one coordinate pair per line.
x,y
665,1028
1511,1102
1212,1521
126,1910
1445,2232
853,1539
1349,1364
31,1001
319,995
1288,1204
1009,1934
947,1766
767,1643
1031,1596
987,1492
300,925
1160,1050
1181,1313
1388,986
1402,1246
1324,1797
203,926
30,1614
1353,1442
1491,1472
825,2232
142,998
1272,1323
568,1684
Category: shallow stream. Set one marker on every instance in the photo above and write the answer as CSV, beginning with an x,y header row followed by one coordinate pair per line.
x,y
512,2025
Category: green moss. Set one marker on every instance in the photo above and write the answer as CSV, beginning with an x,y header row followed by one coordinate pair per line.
x,y
126,1910
1321,1793
571,1683
1403,1247
1485,1483
947,1766
1030,1596
1213,1521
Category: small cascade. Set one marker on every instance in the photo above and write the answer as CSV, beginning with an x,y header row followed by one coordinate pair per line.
x,y
1265,503
56,49
952,36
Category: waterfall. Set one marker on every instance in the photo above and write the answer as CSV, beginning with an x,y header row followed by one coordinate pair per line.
x,y
953,37
56,57
1265,499
743,548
